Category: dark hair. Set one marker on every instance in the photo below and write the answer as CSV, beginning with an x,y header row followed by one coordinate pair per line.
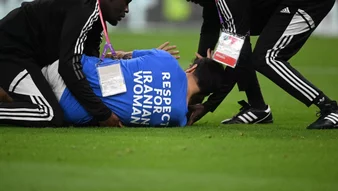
x,y
209,75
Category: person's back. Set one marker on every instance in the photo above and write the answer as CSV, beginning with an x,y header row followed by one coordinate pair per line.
x,y
156,91
41,32
39,26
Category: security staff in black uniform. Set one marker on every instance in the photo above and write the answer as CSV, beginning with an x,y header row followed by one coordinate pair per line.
x,y
283,26
37,34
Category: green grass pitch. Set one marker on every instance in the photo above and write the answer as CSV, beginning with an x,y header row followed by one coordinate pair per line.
x,y
207,156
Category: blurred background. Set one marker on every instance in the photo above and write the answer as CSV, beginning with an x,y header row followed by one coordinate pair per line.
x,y
173,14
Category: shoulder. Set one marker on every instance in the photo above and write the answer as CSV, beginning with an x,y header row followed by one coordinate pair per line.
x,y
158,52
79,7
166,59
162,53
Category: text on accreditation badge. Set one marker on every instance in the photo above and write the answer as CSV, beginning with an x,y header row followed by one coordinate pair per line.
x,y
111,80
228,49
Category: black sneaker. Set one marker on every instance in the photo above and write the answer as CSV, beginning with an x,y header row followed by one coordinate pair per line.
x,y
250,115
328,118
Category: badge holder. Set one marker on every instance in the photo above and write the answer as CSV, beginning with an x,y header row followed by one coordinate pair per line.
x,y
229,46
228,49
111,77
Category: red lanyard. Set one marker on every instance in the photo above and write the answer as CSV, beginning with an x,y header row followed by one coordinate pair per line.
x,y
219,13
108,45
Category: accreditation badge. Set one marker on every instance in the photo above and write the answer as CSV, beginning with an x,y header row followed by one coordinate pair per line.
x,y
111,80
228,49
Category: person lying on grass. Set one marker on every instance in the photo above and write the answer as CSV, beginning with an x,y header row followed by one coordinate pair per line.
x,y
157,93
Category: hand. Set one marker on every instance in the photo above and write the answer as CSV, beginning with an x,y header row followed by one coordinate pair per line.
x,y
120,55
198,56
209,54
112,121
196,112
170,49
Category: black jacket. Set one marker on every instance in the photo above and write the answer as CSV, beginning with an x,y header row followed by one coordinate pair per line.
x,y
259,12
50,30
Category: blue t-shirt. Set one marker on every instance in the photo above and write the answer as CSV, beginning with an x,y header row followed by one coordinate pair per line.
x,y
156,91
